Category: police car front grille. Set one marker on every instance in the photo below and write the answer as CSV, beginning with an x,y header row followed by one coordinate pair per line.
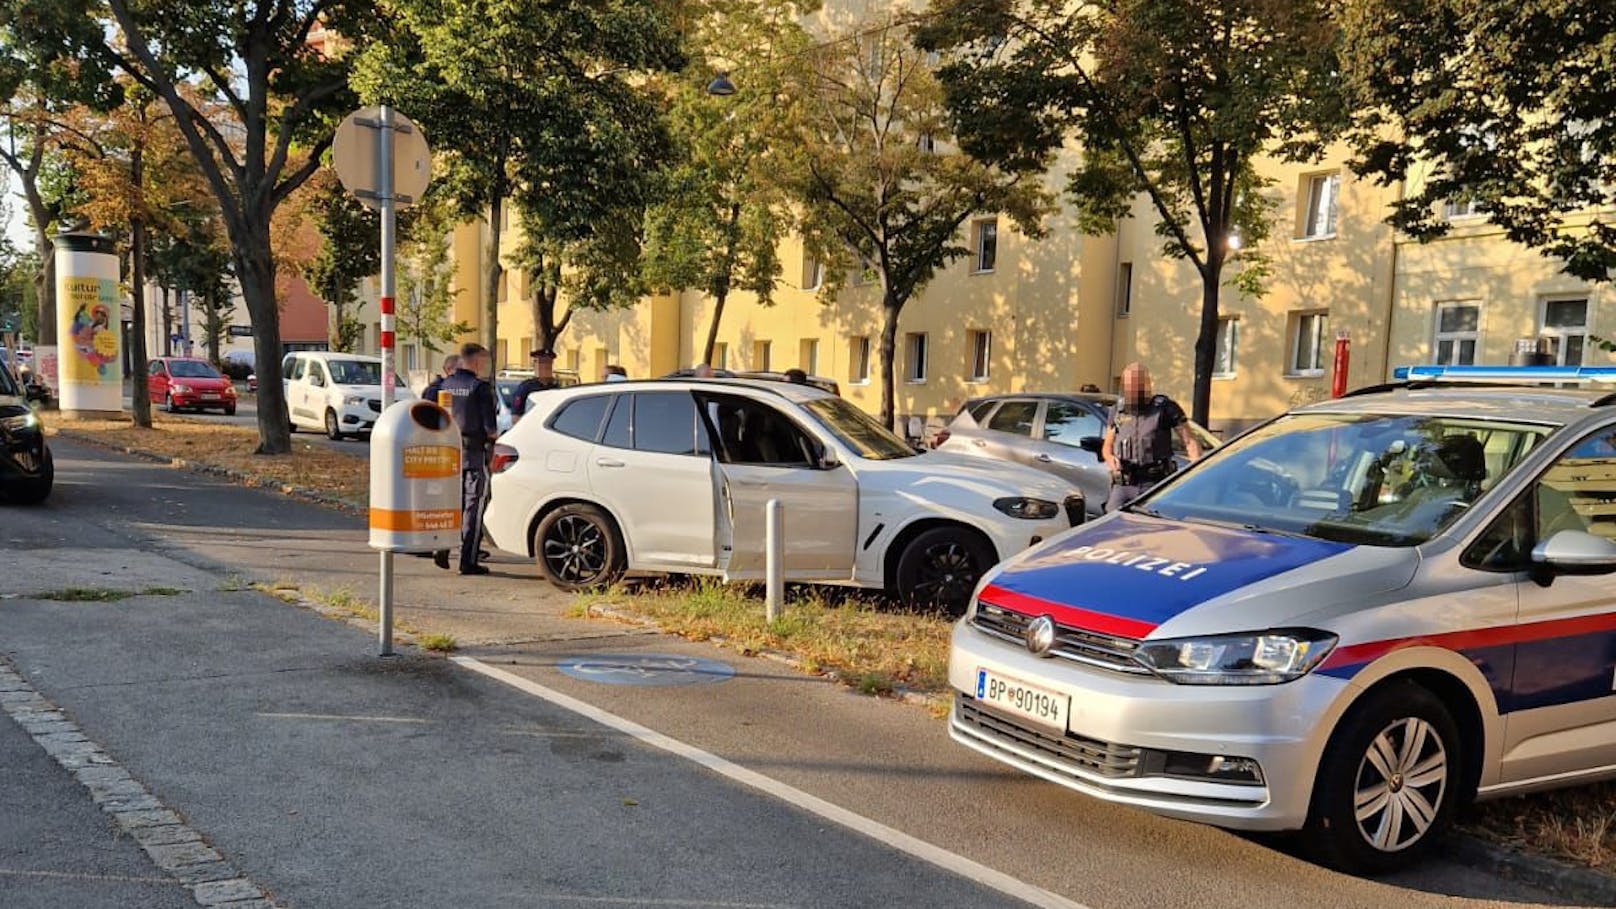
x,y
1088,647
1102,758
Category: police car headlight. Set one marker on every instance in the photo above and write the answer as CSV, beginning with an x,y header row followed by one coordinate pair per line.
x,y
1029,509
1268,658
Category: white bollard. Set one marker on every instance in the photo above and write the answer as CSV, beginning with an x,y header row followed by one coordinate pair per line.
x,y
775,556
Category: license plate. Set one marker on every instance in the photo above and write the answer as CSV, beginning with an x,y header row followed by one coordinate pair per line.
x,y
1014,696
210,396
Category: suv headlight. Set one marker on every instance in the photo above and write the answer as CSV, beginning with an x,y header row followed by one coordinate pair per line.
x,y
1029,509
19,422
1266,658
352,400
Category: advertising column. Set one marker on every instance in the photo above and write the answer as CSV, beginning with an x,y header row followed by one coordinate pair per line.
x,y
88,326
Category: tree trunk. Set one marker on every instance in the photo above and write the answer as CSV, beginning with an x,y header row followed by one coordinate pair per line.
x,y
255,271
721,286
140,399
46,284
496,207
1206,341
712,329
889,345
215,325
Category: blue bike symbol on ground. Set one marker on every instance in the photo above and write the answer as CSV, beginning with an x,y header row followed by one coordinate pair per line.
x,y
644,669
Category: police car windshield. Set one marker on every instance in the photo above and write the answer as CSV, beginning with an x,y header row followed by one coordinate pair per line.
x,y
858,430
1376,480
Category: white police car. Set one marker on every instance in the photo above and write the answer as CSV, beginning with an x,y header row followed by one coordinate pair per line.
x,y
1348,621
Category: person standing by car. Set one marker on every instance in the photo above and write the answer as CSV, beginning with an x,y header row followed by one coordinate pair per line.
x,y
450,364
1138,444
475,412
543,380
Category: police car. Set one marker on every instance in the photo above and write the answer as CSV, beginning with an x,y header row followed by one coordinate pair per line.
x,y
1348,621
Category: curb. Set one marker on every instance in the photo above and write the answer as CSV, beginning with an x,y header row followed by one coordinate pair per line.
x,y
898,693
242,478
1585,885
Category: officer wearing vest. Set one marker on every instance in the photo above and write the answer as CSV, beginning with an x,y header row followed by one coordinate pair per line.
x,y
1138,445
473,406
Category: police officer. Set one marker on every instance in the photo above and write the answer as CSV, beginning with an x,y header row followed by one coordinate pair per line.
x,y
1138,444
543,380
450,364
473,406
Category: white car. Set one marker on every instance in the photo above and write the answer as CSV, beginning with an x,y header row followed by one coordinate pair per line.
x,y
675,476
336,392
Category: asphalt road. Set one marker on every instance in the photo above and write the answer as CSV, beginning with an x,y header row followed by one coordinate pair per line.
x,y
247,415
477,794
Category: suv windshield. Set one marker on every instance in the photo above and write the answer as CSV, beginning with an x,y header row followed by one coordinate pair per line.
x,y
858,430
191,369
1378,480
355,372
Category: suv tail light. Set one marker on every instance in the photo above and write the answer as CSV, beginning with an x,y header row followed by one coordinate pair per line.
x,y
504,457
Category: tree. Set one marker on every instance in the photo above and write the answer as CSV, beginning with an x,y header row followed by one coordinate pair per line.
x,y
722,220
877,189
263,92
426,306
1505,106
1171,99
350,251
523,96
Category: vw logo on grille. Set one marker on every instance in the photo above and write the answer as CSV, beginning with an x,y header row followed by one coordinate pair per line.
x,y
1040,635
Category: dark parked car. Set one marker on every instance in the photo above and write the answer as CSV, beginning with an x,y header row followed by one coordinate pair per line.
x,y
26,470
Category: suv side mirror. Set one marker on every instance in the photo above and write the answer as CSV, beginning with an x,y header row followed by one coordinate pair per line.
x,y
828,459
1576,552
1091,443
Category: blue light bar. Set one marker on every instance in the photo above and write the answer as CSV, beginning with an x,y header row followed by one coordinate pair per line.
x,y
1506,375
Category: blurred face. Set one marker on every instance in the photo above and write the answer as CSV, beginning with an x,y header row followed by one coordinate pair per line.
x,y
544,367
1136,384
477,364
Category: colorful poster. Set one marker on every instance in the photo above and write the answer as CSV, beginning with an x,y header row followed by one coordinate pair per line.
x,y
91,352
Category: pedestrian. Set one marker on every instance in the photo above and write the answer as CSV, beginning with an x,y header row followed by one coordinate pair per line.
x,y
473,405
615,373
450,364
796,377
543,380
1138,444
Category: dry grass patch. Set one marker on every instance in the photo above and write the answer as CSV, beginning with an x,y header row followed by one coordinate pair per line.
x,y
228,447
874,648
1577,825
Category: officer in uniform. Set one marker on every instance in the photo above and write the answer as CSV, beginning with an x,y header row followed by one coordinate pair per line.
x,y
450,364
543,380
473,406
1138,445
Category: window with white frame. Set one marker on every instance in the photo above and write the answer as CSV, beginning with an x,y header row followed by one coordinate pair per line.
x,y
1227,348
928,143
1321,196
720,356
981,346
813,272
985,244
761,351
1124,290
1308,334
1457,209
1458,333
858,360
915,350
1565,324
808,356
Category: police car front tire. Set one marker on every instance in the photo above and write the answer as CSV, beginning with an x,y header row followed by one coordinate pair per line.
x,y
578,547
1389,783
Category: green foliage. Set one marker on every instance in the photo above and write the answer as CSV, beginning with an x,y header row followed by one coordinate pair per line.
x,y
1171,99
1504,105
426,304
350,251
871,167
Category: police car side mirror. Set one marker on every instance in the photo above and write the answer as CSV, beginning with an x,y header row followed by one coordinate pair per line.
x,y
1576,552
1091,443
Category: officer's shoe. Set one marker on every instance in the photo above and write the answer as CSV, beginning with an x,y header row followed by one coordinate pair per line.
x,y
441,559
475,569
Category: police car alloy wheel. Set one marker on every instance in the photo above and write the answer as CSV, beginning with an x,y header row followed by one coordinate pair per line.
x,y
1388,783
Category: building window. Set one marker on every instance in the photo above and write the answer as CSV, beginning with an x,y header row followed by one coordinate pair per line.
x,y
1456,209
858,360
720,356
1565,324
760,355
1321,198
502,288
914,367
1228,348
409,357
985,244
1308,331
524,349
928,143
1458,330
808,356
503,354
573,356
813,272
981,343
1124,289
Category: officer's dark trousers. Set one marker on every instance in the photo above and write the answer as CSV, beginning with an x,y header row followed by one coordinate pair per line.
x,y
1122,495
473,496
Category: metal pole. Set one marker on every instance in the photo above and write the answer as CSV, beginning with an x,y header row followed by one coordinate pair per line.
x,y
775,549
384,172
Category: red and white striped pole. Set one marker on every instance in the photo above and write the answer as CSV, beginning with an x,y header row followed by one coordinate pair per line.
x,y
384,165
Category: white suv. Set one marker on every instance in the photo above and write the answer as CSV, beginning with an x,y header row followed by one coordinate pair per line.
x,y
675,476
336,392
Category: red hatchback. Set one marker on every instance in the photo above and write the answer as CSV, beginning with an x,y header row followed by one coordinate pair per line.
x,y
182,383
